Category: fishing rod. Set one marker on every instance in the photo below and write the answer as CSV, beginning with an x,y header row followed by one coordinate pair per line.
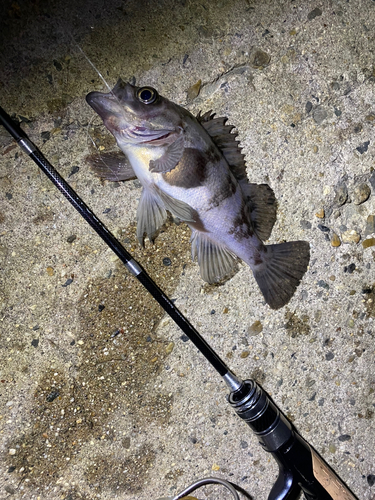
x,y
301,468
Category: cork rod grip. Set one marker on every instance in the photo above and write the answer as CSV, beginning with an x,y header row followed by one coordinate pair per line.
x,y
328,479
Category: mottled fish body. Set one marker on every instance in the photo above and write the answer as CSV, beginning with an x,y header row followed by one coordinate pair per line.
x,y
193,168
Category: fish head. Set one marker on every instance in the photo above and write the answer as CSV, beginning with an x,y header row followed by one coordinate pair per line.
x,y
137,115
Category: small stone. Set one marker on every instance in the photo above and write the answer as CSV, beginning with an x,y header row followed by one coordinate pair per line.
x,y
341,194
50,271
314,13
319,115
323,228
323,284
350,236
361,193
329,356
370,225
344,437
372,180
167,261
335,240
371,480
255,328
67,282
12,451
169,348
362,148
308,106
52,396
244,354
259,59
368,242
305,224
35,342
215,467
350,268
315,149
320,213
71,238
194,90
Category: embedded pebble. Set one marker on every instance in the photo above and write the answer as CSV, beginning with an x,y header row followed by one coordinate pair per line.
x,y
194,90
350,268
255,328
369,242
319,115
350,236
370,225
360,194
341,194
314,13
363,147
169,348
320,214
50,271
372,180
335,240
259,59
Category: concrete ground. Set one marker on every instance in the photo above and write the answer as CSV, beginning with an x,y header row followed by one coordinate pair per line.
x,y
101,395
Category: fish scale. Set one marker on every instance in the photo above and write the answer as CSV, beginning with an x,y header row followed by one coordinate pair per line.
x,y
193,167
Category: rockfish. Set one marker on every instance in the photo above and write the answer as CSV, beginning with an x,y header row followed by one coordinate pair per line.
x,y
194,168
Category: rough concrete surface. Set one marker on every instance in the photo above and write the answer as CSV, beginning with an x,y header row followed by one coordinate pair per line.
x,y
101,395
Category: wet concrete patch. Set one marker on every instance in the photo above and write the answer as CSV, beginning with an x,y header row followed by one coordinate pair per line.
x,y
118,357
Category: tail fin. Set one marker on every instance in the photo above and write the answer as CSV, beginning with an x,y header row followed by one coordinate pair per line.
x,y
281,271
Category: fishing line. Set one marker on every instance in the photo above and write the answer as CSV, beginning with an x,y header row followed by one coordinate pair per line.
x,y
76,44
89,61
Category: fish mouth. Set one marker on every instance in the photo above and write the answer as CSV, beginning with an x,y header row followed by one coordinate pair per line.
x,y
145,135
122,122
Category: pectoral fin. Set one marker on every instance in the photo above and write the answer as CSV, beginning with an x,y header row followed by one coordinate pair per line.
x,y
215,261
152,212
113,166
170,158
178,208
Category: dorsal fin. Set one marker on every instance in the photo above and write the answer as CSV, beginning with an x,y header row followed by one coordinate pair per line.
x,y
225,141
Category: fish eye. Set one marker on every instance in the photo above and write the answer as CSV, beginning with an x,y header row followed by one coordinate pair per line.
x,y
147,95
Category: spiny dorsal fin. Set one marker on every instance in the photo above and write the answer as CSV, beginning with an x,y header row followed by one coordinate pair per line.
x,y
225,141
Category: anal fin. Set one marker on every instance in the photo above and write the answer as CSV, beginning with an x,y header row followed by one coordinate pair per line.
x,y
215,261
